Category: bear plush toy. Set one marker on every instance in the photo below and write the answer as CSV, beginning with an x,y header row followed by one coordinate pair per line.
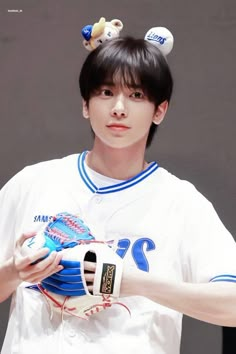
x,y
102,31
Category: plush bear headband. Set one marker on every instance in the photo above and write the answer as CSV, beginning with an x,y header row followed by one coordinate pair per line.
x,y
102,31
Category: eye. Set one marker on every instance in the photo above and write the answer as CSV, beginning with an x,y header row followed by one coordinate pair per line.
x,y
99,41
106,92
137,95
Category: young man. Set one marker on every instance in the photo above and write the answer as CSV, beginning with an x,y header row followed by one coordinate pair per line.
x,y
178,257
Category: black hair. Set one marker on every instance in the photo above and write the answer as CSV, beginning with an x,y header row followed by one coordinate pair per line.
x,y
128,62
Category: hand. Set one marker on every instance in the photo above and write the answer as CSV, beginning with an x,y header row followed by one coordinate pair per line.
x,y
27,269
89,268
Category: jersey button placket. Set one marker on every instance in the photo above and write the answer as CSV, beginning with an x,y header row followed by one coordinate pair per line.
x,y
97,198
71,333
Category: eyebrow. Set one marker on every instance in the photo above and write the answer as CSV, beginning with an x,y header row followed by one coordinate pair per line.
x,y
105,83
112,84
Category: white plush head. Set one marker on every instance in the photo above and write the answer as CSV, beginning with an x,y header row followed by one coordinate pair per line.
x,y
162,38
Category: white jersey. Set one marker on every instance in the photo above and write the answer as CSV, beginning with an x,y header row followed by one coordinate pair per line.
x,y
160,224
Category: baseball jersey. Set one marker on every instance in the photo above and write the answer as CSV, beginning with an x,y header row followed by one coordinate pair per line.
x,y
159,223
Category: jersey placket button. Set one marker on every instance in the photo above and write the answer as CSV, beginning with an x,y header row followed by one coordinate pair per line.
x,y
98,199
71,333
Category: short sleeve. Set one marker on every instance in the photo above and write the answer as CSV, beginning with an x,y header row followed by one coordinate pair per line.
x,y
208,248
9,202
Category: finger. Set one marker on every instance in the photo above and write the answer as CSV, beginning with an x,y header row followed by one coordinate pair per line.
x,y
38,277
42,269
90,288
24,237
89,277
48,263
89,266
23,261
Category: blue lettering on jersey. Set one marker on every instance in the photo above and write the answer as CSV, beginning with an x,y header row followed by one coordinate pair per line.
x,y
43,218
138,251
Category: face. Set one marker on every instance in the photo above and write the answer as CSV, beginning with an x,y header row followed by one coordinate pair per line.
x,y
122,116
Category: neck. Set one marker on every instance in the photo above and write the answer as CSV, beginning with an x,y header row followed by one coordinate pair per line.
x,y
116,163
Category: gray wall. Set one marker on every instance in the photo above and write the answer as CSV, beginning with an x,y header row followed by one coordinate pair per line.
x,y
40,107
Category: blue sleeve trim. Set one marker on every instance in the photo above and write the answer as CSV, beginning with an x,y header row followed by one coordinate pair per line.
x,y
224,277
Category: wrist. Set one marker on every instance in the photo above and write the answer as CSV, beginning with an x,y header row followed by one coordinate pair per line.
x,y
11,272
9,279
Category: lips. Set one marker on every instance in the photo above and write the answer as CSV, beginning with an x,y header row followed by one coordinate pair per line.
x,y
117,126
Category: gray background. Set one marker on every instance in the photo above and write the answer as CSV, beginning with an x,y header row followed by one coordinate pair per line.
x,y
40,107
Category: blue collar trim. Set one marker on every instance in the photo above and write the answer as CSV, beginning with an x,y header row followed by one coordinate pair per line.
x,y
115,187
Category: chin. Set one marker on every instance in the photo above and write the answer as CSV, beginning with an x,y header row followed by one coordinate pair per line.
x,y
121,143
122,146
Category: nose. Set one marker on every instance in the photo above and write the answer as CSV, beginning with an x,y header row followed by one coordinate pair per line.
x,y
119,109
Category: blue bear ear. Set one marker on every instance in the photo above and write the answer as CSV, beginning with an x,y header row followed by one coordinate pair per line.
x,y
86,32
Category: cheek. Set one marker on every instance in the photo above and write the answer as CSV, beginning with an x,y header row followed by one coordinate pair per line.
x,y
144,127
97,115
144,116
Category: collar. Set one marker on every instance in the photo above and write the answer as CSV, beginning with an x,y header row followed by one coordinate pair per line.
x,y
153,166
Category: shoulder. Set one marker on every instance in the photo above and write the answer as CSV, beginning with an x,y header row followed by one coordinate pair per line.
x,y
174,183
41,170
179,189
45,167
50,164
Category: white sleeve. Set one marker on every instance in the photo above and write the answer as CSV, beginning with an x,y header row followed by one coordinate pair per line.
x,y
208,248
10,196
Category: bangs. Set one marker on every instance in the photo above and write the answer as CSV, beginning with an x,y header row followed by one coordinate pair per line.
x,y
118,68
122,76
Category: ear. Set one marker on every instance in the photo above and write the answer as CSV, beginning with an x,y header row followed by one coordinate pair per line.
x,y
85,110
118,24
160,112
87,45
